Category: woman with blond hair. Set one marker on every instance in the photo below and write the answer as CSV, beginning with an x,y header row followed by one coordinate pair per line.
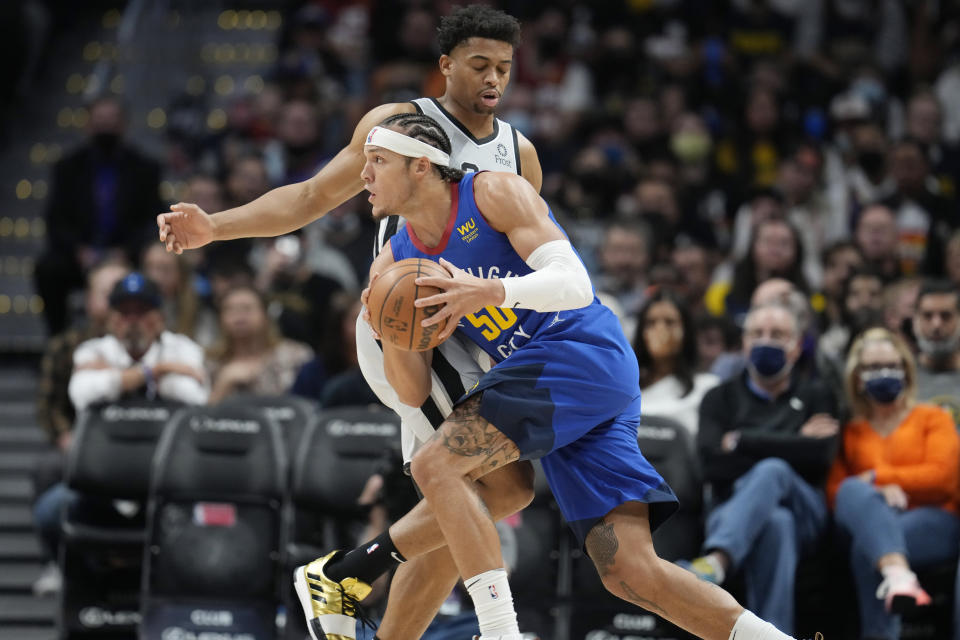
x,y
251,356
894,484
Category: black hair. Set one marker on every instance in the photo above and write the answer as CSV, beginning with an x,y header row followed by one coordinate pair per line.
x,y
705,321
425,129
745,272
687,358
938,287
477,21
836,247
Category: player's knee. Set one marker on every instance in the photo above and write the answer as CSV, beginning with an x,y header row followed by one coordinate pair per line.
x,y
424,468
633,575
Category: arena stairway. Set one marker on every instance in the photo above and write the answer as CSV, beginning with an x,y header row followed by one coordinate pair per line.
x,y
148,52
22,617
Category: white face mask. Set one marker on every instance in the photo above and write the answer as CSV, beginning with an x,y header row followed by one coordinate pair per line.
x,y
939,349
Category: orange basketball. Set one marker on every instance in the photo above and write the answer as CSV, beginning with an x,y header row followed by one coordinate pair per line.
x,y
392,312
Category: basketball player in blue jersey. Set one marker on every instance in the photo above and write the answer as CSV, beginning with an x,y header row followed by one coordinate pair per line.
x,y
564,389
477,45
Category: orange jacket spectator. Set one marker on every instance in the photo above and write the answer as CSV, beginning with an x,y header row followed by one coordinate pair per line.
x,y
922,456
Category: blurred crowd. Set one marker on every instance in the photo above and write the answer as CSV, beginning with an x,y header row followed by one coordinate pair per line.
x,y
753,184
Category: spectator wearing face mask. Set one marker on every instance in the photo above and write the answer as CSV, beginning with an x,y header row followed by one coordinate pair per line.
x,y
936,328
893,487
766,441
103,201
703,204
296,155
924,123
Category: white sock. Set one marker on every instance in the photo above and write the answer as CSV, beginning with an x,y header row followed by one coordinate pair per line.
x,y
750,627
493,603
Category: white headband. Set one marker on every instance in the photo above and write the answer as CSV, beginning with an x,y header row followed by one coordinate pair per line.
x,y
405,145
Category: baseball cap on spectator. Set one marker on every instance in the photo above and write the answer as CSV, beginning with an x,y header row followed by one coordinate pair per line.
x,y
135,288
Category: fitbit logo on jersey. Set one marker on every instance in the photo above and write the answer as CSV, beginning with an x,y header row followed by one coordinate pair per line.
x,y
501,157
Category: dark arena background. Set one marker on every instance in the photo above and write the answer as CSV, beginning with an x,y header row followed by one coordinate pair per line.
x,y
705,157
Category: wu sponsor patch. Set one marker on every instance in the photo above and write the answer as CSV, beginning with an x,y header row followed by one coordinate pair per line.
x,y
468,231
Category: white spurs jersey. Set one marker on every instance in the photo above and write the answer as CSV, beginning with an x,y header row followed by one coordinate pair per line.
x,y
497,152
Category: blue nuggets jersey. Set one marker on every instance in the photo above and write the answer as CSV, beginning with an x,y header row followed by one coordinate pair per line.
x,y
565,388
472,245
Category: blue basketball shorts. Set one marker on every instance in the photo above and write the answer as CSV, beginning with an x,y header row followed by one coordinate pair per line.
x,y
576,407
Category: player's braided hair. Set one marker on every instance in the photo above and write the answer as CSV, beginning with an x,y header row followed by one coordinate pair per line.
x,y
477,21
426,129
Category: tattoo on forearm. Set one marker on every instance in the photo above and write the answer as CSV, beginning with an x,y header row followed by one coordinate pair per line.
x,y
635,598
602,545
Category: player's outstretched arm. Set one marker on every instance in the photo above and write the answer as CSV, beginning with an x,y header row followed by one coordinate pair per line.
x,y
280,210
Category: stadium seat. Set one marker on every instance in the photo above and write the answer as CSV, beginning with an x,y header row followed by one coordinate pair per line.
x,y
291,413
339,450
669,447
215,522
103,539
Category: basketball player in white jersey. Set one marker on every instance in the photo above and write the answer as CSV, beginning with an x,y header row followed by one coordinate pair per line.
x,y
477,45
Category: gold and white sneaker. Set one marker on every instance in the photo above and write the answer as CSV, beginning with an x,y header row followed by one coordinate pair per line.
x,y
330,608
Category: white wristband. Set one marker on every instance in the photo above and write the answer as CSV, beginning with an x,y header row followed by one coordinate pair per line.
x,y
559,281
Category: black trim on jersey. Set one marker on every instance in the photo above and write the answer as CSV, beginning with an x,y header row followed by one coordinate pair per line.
x,y
516,149
432,412
389,231
448,375
416,106
466,132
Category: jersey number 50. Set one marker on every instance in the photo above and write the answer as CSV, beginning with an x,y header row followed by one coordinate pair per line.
x,y
493,321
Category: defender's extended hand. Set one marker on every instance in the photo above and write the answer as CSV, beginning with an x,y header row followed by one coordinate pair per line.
x,y
461,294
187,226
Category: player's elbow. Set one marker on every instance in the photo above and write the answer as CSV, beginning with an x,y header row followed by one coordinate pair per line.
x,y
576,293
581,290
409,375
411,390
413,396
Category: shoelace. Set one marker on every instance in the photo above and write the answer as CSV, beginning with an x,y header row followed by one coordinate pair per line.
x,y
353,608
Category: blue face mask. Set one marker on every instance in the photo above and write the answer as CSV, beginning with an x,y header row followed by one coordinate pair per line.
x,y
884,386
768,360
